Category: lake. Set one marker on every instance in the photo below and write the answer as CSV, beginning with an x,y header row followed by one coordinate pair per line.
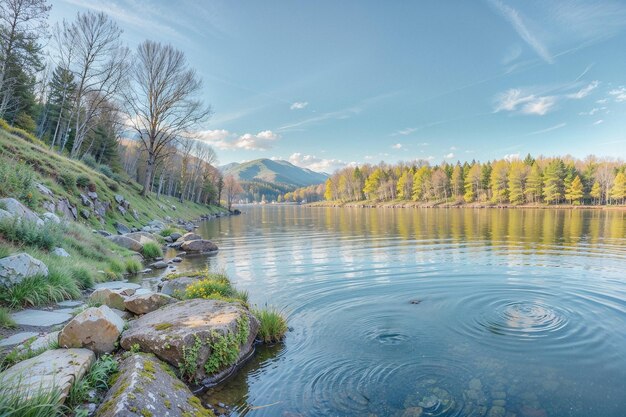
x,y
431,312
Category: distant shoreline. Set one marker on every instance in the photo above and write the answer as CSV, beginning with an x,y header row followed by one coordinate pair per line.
x,y
415,204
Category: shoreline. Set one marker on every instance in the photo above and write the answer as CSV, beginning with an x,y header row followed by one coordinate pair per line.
x,y
415,204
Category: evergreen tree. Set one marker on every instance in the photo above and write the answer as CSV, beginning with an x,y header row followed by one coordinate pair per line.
x,y
517,180
596,192
486,177
529,160
574,192
618,191
498,181
534,184
553,182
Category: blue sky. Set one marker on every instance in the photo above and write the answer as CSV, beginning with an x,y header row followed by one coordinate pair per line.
x,y
328,83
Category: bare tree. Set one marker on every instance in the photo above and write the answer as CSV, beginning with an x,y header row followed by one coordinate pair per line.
x,y
92,49
161,103
22,22
232,188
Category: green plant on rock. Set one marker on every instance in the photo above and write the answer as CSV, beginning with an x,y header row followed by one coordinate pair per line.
x,y
151,250
97,379
273,325
225,348
38,290
28,233
190,360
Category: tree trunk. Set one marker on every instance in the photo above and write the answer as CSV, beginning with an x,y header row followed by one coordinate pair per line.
x,y
149,171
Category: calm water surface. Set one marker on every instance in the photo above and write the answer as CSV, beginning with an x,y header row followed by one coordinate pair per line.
x,y
460,312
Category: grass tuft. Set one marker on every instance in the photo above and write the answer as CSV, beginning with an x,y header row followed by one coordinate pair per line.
x,y
132,265
152,250
273,325
97,379
28,233
39,290
6,322
42,403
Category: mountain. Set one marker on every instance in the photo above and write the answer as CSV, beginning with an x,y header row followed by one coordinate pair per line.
x,y
274,172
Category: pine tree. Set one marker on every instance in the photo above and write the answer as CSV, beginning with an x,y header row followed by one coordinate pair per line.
x,y
498,181
596,192
457,181
618,191
574,192
486,177
553,180
517,179
529,160
534,182
472,183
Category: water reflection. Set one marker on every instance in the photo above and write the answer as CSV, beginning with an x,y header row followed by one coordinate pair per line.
x,y
521,312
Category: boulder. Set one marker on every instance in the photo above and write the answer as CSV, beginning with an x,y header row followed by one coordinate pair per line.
x,y
201,245
18,209
60,252
159,265
175,245
189,236
126,242
146,386
15,268
175,236
44,190
51,217
53,369
168,239
103,233
135,214
121,228
96,329
146,303
176,287
85,200
177,259
5,214
68,210
111,298
101,208
189,227
85,213
143,237
157,224
122,210
93,195
197,324
119,199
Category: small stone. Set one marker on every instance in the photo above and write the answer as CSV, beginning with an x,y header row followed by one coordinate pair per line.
x,y
96,329
15,268
177,259
60,252
413,412
159,265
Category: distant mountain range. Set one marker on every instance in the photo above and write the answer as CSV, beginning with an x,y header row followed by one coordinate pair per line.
x,y
274,172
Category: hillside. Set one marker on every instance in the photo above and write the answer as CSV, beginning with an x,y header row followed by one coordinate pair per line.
x,y
274,172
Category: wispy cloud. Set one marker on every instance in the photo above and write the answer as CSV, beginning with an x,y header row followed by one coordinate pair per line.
x,y
619,94
318,164
585,91
404,132
225,140
449,156
397,146
299,105
597,122
515,19
539,106
512,156
592,111
514,100
549,129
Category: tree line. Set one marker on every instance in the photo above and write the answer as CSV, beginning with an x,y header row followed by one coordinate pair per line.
x,y
544,180
76,87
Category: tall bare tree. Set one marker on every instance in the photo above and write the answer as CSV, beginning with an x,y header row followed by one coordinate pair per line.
x,y
232,188
162,102
91,44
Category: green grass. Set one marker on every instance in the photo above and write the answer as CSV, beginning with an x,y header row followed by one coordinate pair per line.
x,y
40,290
132,265
23,232
18,181
151,250
44,403
97,379
18,355
273,325
6,322
169,230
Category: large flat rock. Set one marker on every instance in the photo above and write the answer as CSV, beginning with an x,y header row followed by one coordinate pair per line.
x,y
146,386
117,285
40,318
53,369
17,338
195,324
15,268
126,242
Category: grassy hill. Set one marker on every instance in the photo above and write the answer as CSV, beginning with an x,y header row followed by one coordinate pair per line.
x,y
274,172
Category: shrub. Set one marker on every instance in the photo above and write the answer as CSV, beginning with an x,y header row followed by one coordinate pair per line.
x,y
273,325
83,278
38,290
17,180
89,160
151,250
116,266
83,181
209,288
20,133
6,322
67,181
106,171
132,265
29,233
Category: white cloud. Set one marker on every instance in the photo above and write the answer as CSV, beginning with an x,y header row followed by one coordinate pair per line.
x,y
512,156
453,148
619,94
404,132
223,139
539,105
511,99
597,122
585,91
522,30
397,146
602,101
315,163
299,105
549,129
430,158
592,111
449,156
368,157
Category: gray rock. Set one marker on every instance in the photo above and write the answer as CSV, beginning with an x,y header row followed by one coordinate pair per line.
x,y
121,228
44,190
101,208
51,217
85,213
175,245
159,265
42,342
176,287
177,259
30,317
17,209
85,200
122,210
189,227
96,329
157,224
119,199
189,236
135,214
201,245
56,369
168,239
143,237
146,386
60,252
17,338
68,210
146,303
15,268
126,242
123,314
117,285
70,303
109,297
93,195
182,323
175,236
104,233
